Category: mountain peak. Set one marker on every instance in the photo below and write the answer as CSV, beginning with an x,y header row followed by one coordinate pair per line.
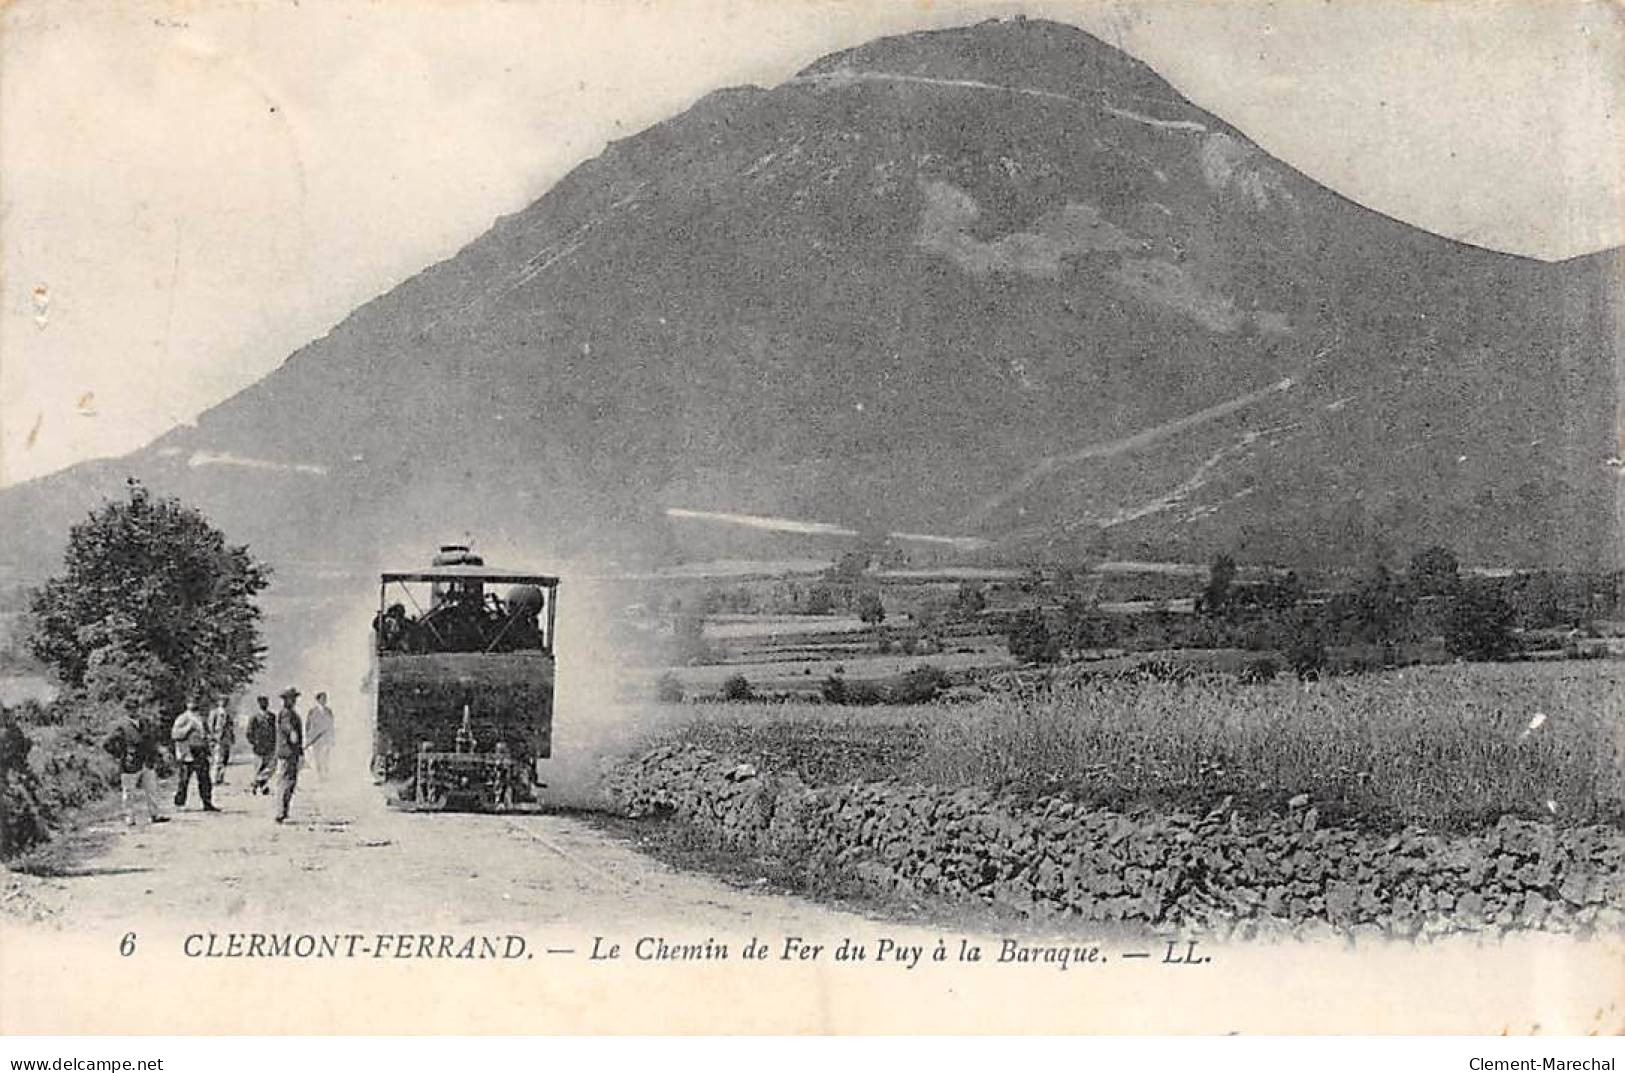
x,y
1035,54
1001,285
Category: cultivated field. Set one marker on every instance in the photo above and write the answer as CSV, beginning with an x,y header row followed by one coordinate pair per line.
x,y
1450,747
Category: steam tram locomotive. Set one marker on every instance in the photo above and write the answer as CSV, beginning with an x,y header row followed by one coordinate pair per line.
x,y
464,683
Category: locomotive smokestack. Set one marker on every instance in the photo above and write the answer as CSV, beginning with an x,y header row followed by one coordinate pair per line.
x,y
465,734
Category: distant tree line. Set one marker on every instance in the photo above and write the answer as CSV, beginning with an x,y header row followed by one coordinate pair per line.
x,y
1389,616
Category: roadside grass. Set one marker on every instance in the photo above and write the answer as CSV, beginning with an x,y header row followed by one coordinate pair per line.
x,y
80,835
1449,748
823,744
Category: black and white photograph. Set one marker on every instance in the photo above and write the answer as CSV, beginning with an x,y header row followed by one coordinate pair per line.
x,y
812,517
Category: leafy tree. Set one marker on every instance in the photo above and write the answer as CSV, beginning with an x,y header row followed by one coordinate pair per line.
x,y
1540,600
1029,638
820,600
1380,614
117,675
1434,571
1220,577
1277,593
1082,626
870,608
971,599
1479,625
1305,645
833,689
737,688
849,567
152,598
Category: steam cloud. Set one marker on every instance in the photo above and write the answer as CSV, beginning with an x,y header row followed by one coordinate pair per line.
x,y
601,710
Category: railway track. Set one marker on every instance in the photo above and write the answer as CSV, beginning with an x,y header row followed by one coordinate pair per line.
x,y
574,859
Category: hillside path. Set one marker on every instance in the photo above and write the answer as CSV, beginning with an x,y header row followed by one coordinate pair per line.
x,y
1144,438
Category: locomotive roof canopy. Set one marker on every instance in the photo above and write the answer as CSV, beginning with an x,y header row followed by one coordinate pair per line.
x,y
492,574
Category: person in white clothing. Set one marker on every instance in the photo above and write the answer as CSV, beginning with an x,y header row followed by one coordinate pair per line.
x,y
319,735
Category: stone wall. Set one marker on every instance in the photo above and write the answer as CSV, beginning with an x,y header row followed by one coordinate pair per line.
x,y
1220,872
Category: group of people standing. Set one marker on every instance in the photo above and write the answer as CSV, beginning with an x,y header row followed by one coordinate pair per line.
x,y
203,745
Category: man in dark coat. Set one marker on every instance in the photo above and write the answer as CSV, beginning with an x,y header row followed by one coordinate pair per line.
x,y
262,739
290,751
134,744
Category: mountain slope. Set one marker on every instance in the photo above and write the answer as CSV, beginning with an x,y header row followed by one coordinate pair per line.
x,y
951,282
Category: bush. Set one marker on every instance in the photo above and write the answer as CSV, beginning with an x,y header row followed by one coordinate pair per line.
x,y
920,685
1306,655
862,694
1262,669
1478,626
73,770
51,762
1029,639
23,817
737,688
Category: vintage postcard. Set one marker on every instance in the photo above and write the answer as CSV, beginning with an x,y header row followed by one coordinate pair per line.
x,y
812,516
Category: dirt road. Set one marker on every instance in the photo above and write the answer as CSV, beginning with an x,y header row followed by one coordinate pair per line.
x,y
344,858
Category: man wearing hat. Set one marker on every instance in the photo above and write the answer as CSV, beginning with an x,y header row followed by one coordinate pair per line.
x,y
290,751
134,744
262,739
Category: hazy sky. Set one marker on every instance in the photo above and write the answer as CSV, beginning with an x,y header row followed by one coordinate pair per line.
x,y
192,190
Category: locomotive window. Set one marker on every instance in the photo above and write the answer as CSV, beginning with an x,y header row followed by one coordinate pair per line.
x,y
463,614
